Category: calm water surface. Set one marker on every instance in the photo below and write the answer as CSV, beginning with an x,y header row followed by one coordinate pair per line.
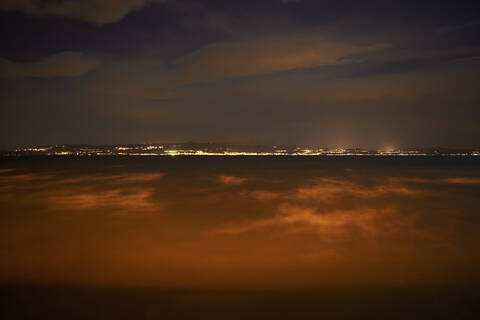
x,y
221,238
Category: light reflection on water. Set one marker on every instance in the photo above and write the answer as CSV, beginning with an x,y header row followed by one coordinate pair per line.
x,y
255,224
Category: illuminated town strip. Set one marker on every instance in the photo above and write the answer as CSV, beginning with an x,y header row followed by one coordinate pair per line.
x,y
223,150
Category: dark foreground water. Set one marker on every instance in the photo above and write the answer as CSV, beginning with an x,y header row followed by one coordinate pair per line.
x,y
222,238
138,303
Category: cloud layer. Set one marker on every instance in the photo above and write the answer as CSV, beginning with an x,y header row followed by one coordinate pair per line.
x,y
264,55
63,64
248,72
95,11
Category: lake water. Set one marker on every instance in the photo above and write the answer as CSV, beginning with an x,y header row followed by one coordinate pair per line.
x,y
239,237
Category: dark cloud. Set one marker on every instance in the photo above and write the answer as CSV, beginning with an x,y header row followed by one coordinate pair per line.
x,y
63,64
96,11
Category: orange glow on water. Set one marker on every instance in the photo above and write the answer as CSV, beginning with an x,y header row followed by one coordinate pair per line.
x,y
249,227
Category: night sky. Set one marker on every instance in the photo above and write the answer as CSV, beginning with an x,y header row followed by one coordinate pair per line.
x,y
324,73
